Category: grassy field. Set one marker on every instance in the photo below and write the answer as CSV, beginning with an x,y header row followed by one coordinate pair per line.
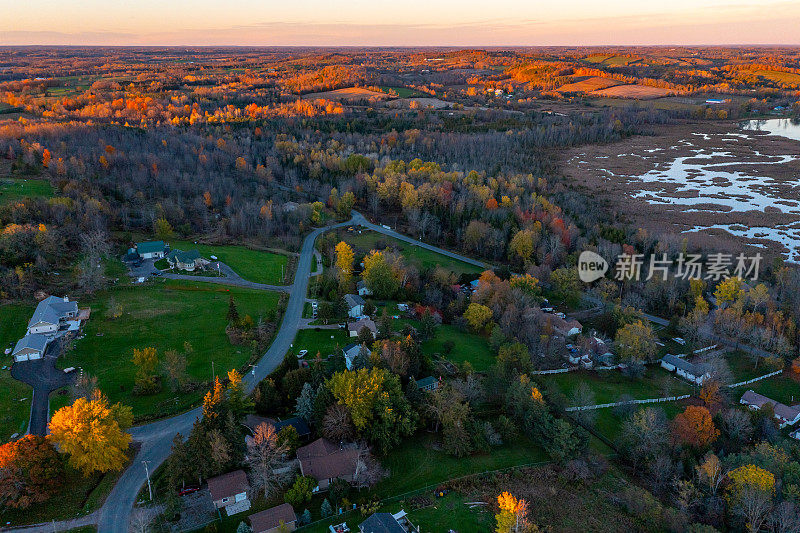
x,y
420,257
778,76
320,341
639,92
468,347
742,367
15,402
609,385
402,92
780,388
253,265
609,424
163,315
15,189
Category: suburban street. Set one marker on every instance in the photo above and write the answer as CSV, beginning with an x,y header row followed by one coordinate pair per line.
x,y
156,437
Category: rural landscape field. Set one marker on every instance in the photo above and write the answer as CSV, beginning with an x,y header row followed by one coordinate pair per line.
x,y
275,268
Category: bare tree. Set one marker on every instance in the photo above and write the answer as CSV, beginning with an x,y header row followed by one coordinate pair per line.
x,y
264,456
785,518
141,518
368,470
337,425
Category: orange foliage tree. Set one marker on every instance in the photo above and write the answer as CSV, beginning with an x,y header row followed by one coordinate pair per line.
x,y
694,427
32,471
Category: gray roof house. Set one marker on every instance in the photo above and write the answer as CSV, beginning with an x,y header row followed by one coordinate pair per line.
x,y
188,260
50,314
355,305
695,373
788,416
351,351
30,347
386,523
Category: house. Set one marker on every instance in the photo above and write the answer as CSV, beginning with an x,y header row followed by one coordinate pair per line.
x,y
229,492
325,461
362,289
387,523
251,422
697,374
51,315
355,327
351,351
185,260
151,249
299,424
270,520
566,327
429,383
30,347
355,305
788,416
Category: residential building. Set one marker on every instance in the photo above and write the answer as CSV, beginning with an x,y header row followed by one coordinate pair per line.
x,y
30,347
697,374
351,351
188,260
387,523
53,314
229,492
428,383
355,305
151,249
566,327
787,416
362,289
355,327
325,461
299,424
270,520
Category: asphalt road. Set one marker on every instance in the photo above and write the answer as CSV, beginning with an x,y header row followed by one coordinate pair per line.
x,y
156,437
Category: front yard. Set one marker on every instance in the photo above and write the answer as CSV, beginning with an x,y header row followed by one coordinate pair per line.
x,y
253,265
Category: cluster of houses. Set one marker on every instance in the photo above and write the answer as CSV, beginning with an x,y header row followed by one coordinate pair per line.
x,y
154,250
322,460
54,317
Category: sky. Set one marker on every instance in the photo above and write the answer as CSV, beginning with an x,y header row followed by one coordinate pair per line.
x,y
399,23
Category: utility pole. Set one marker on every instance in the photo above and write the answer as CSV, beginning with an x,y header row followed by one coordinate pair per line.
x,y
149,486
213,372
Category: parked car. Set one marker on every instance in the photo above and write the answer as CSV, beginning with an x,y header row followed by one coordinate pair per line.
x,y
302,353
188,490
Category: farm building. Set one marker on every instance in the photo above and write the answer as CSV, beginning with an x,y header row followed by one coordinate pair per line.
x,y
229,492
325,461
271,520
788,416
697,374
151,249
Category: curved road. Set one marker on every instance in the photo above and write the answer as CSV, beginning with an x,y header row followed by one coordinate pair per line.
x,y
156,437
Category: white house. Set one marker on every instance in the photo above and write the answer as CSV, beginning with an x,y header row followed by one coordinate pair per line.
x,y
51,314
355,305
787,416
151,249
30,347
362,288
351,351
697,374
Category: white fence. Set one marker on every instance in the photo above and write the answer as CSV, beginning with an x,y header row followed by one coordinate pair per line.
x,y
759,378
701,350
554,371
629,402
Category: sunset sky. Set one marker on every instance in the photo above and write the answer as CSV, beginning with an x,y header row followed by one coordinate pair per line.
x,y
411,22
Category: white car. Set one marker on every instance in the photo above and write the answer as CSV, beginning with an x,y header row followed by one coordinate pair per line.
x,y
302,353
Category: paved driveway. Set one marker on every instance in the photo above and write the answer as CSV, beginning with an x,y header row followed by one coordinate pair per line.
x,y
44,377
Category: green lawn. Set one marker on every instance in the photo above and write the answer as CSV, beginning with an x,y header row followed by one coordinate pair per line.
x,y
609,424
416,463
780,388
163,314
402,92
609,385
253,265
450,513
14,189
422,258
15,402
742,366
320,341
468,347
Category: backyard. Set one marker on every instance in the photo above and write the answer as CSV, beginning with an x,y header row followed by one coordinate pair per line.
x,y
15,403
253,265
466,347
164,315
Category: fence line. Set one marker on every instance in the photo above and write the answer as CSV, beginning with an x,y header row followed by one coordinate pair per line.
x,y
759,378
554,371
629,402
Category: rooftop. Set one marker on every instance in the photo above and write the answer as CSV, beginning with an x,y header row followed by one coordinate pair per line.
x,y
272,518
228,485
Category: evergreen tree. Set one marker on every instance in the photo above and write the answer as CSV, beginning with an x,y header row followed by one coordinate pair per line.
x,y
325,510
233,312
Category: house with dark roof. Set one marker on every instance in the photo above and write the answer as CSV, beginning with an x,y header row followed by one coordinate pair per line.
x,y
355,327
355,305
152,249
188,260
362,289
695,373
566,327
387,523
30,348
325,461
351,351
229,492
787,416
299,424
428,383
271,520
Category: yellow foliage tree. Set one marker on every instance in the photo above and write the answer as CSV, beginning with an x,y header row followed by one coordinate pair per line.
x,y
92,433
728,291
478,316
344,263
358,391
513,514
